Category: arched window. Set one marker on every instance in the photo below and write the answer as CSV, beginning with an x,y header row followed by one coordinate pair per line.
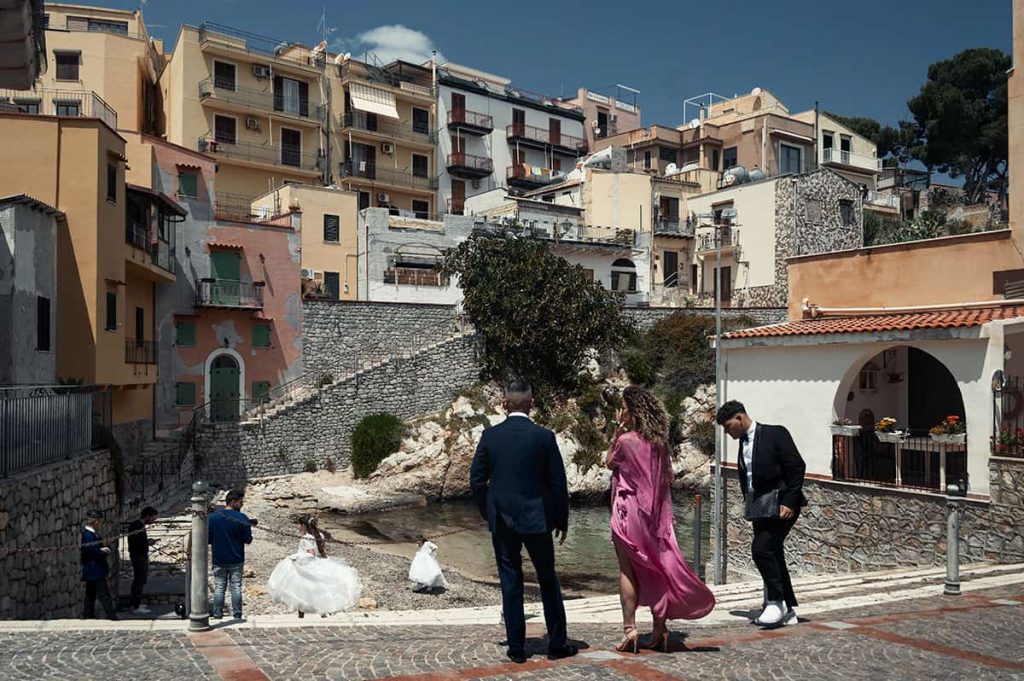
x,y
624,275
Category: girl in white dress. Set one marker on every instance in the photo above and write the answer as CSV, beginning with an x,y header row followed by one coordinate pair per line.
x,y
425,569
309,581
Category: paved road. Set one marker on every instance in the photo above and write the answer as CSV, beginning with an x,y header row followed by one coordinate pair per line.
x,y
979,635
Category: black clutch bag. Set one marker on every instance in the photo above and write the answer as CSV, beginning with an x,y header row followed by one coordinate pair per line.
x,y
763,507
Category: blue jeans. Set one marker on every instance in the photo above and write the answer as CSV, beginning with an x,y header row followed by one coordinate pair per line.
x,y
222,574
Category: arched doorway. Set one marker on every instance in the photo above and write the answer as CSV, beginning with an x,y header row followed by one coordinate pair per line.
x,y
624,275
224,388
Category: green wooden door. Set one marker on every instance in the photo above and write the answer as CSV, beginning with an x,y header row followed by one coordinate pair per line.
x,y
224,389
226,270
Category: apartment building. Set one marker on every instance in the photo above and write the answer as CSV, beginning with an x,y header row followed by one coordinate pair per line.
x,y
386,134
23,40
501,136
606,114
257,104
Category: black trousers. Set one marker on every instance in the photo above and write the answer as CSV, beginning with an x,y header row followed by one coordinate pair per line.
x,y
140,573
508,547
97,588
768,552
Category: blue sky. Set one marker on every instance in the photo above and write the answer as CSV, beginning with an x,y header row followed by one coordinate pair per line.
x,y
857,58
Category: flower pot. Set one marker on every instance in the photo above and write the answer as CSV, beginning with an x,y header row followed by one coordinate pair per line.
x,y
847,431
949,438
892,438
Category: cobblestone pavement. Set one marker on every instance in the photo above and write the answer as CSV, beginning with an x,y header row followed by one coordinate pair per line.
x,y
976,636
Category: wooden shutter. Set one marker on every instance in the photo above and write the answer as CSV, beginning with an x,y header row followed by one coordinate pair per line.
x,y
186,336
278,94
303,99
261,336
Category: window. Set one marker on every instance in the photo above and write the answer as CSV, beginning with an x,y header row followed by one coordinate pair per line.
x,y
421,209
419,165
332,228
716,158
868,379
691,155
647,158
588,275
188,184
291,96
291,147
331,282
140,326
260,390
27,106
846,212
667,154
518,122
261,336
186,334
111,324
624,275
814,211
185,394
225,129
112,182
420,121
790,159
602,124
556,163
364,200
42,324
224,75
67,65
729,158
120,27
827,139
68,107
694,275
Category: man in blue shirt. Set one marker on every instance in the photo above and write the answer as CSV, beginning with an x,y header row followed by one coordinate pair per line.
x,y
230,531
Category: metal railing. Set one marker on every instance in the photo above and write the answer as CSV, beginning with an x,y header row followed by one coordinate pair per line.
x,y
359,120
849,158
518,173
44,424
385,175
271,48
414,276
472,119
228,206
882,199
912,459
730,239
138,351
545,136
262,153
1008,417
142,237
50,102
138,235
480,164
264,100
673,226
379,75
229,293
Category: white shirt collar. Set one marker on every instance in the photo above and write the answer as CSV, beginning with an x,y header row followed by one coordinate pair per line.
x,y
91,529
518,413
751,429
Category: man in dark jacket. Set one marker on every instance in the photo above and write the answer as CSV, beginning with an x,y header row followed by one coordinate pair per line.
x,y
230,531
95,568
138,551
518,483
768,459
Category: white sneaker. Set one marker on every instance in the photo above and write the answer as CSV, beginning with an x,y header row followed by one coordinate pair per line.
x,y
790,618
141,610
770,616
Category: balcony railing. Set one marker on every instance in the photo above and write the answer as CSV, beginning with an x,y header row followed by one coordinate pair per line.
x,y
526,175
471,121
271,48
264,100
849,158
385,175
913,460
228,293
145,238
138,351
262,153
673,226
730,239
414,82
387,128
468,165
545,136
882,199
49,102
414,276
239,207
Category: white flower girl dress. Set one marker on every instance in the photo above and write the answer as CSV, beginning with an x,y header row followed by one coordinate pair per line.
x,y
307,582
425,570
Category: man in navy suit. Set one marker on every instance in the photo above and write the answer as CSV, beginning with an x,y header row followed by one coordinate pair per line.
x,y
518,482
95,568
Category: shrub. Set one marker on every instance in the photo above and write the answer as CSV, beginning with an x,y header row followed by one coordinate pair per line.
x,y
375,438
703,437
639,368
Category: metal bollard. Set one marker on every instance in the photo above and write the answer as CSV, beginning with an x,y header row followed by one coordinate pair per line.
x,y
199,615
953,507
698,504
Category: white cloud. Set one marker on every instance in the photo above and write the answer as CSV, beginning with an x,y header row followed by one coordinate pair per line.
x,y
391,42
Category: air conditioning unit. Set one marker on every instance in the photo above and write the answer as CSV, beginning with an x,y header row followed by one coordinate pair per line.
x,y
252,123
261,70
476,184
383,198
309,273
387,147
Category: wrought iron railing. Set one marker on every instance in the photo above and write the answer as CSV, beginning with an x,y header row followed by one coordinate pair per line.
x,y
730,238
387,128
44,424
414,276
1008,416
271,48
138,351
849,158
477,163
473,119
52,102
264,100
386,175
262,153
545,136
229,293
673,226
910,459
144,238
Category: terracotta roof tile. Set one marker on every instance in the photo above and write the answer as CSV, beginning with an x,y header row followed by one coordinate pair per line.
x,y
903,321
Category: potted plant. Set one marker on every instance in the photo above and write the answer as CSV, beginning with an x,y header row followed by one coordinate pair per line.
x,y
952,431
1009,442
844,426
885,431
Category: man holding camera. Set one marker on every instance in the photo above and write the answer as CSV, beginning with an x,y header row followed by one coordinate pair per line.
x,y
230,530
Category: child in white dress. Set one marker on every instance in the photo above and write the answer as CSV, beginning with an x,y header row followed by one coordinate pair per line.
x,y
425,569
309,581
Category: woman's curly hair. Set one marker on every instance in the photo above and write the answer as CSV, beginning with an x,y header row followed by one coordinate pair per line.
x,y
650,418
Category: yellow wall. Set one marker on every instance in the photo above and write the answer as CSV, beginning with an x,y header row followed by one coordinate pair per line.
x,y
621,200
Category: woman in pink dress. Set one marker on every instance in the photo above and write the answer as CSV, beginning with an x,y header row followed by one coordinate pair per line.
x,y
652,570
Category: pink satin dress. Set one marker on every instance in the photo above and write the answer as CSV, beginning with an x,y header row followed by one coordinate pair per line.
x,y
643,529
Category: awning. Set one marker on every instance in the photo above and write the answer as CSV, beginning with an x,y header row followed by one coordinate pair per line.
x,y
373,100
170,205
792,135
224,246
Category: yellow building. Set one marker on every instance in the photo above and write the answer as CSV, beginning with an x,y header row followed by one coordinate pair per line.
x,y
328,220
256,104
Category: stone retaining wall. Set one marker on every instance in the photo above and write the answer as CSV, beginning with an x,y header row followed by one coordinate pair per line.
x,y
320,428
43,507
850,527
646,317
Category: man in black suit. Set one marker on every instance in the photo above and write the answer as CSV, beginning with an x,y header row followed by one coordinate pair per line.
x,y
518,482
768,459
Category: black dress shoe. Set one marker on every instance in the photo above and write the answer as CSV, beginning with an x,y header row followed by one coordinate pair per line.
x,y
518,658
564,651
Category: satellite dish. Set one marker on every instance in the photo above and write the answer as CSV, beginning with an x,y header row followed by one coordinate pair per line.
x,y
695,123
729,213
670,169
340,58
321,46
689,168
756,91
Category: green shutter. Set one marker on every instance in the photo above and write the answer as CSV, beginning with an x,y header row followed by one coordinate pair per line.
x,y
188,184
260,390
261,336
186,334
186,394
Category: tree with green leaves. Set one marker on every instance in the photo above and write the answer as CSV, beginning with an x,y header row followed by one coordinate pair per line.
x,y
538,314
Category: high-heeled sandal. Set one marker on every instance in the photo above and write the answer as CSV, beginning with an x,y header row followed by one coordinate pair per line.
x,y
657,642
630,640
